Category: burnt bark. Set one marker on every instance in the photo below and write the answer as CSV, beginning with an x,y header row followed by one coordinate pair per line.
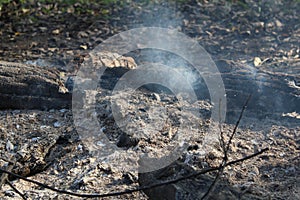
x,y
272,93
31,87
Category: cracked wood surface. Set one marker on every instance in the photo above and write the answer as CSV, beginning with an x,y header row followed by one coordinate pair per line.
x,y
25,86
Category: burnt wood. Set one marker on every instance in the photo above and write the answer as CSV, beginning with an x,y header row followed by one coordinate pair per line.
x,y
25,86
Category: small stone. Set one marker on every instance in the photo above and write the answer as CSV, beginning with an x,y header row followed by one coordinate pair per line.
x,y
105,168
92,160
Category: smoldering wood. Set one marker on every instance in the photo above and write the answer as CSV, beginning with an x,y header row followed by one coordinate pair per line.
x,y
273,93
25,86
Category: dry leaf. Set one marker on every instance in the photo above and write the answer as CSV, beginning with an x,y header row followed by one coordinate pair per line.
x,y
278,23
24,10
83,47
53,49
257,61
56,31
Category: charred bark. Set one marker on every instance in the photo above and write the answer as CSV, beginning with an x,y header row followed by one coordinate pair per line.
x,y
31,87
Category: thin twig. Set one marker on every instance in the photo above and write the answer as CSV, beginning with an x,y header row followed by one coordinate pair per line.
x,y
225,150
212,185
221,166
7,160
4,177
222,140
237,123
16,190
247,157
136,189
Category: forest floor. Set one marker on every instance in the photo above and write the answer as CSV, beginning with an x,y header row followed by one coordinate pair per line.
x,y
262,34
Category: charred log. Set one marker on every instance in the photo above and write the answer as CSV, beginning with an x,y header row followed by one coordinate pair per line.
x,y
31,87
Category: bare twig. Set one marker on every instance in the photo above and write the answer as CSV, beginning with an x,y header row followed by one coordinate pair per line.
x,y
221,167
225,149
4,176
237,124
132,190
16,190
7,160
222,140
247,157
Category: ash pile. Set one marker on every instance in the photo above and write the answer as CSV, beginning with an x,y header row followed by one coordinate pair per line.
x,y
141,126
123,114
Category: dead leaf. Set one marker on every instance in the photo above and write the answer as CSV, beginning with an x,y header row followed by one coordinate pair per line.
x,y
62,74
257,61
258,24
56,31
292,114
24,10
278,23
62,89
84,47
53,49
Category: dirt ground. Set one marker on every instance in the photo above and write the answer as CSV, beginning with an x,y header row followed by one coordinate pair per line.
x,y
261,34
